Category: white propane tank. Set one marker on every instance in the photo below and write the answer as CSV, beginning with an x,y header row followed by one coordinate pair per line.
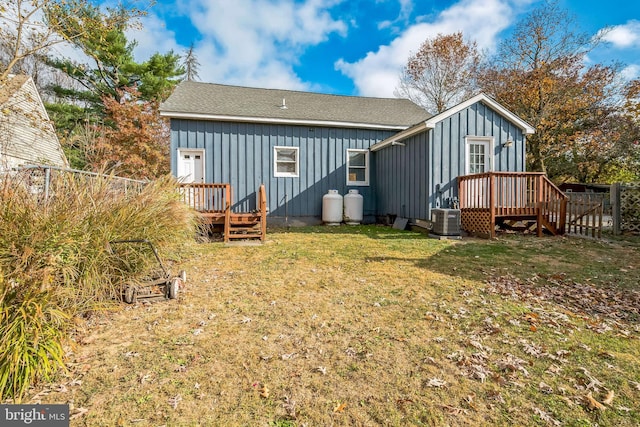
x,y
332,208
353,207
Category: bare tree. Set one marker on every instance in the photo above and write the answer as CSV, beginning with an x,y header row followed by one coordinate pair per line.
x,y
191,65
441,74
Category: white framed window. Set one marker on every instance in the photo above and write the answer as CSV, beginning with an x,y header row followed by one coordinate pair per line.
x,y
358,167
286,162
478,154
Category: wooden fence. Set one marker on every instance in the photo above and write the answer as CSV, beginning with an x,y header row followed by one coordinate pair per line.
x,y
625,204
585,212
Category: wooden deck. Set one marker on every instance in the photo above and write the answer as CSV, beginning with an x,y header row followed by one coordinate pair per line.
x,y
494,198
214,202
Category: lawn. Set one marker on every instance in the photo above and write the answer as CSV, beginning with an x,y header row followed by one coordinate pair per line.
x,y
367,326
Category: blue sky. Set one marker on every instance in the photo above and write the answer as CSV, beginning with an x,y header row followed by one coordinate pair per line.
x,y
353,47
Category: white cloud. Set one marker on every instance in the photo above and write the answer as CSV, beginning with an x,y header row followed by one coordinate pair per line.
x,y
258,42
624,36
245,42
406,8
153,37
631,72
481,20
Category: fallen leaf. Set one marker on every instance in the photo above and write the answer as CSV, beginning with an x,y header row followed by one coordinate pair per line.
x,y
436,382
476,344
609,399
545,388
289,406
174,401
78,412
553,369
470,401
593,403
340,408
546,417
454,410
264,391
288,356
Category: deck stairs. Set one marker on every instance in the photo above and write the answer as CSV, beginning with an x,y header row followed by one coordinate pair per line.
x,y
214,202
519,200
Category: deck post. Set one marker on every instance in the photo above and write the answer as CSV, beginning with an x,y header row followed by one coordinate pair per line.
x,y
539,184
615,208
263,212
539,219
492,205
562,221
227,213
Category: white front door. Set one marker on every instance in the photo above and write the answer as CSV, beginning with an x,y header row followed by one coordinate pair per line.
x,y
191,166
478,160
478,155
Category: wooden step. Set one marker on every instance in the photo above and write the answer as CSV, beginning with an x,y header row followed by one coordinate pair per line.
x,y
244,236
244,230
245,222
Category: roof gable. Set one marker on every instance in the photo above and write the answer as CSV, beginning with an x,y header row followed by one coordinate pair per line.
x,y
526,127
434,120
27,136
208,101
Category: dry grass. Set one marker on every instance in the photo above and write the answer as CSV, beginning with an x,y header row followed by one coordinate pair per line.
x,y
55,262
366,326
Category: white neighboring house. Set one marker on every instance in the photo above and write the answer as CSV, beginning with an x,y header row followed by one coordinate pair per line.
x,y
27,136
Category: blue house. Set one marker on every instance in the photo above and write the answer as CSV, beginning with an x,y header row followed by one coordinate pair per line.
x,y
417,169
403,160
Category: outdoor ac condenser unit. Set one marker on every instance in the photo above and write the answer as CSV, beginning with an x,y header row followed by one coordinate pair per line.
x,y
446,222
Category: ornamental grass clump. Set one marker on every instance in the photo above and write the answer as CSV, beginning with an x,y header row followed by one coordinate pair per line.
x,y
56,262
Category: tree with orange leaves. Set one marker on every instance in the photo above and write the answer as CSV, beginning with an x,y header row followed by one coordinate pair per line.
x,y
540,74
441,74
133,140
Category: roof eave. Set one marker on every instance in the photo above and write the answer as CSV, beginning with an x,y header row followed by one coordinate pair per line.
x,y
273,120
415,129
524,126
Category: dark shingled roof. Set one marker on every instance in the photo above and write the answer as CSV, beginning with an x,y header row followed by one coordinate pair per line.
x,y
236,103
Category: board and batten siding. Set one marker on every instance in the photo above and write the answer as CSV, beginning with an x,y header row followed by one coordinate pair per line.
x,y
402,177
241,154
422,175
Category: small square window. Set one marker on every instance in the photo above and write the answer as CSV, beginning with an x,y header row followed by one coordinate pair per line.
x,y
286,161
358,167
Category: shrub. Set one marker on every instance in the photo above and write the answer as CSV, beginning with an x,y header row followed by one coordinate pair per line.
x,y
56,263
32,331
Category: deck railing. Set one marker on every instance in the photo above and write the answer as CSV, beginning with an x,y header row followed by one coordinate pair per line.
x,y
206,197
514,194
